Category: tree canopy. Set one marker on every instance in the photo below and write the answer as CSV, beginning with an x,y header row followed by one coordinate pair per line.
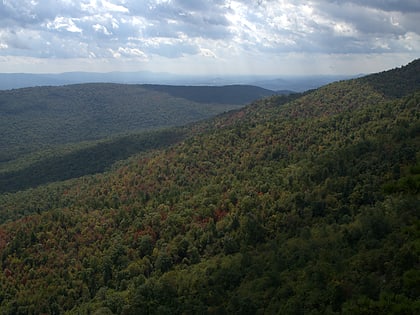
x,y
294,205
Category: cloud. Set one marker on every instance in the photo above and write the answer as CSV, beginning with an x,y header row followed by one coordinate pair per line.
x,y
386,5
103,6
64,23
207,53
150,30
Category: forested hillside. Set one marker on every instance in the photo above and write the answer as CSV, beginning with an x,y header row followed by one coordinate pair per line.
x,y
33,119
291,205
84,158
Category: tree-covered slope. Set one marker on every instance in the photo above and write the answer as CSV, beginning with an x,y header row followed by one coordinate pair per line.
x,y
287,206
230,94
398,82
85,158
32,119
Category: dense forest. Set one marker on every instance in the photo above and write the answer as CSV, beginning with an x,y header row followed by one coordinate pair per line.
x,y
40,118
300,204
76,160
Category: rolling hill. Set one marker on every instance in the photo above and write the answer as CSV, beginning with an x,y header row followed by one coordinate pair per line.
x,y
276,83
291,205
33,119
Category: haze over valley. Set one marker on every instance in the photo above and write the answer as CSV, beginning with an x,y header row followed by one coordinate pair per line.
x,y
282,84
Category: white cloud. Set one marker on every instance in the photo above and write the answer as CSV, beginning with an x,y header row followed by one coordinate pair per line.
x,y
64,23
207,53
102,29
132,52
98,6
226,35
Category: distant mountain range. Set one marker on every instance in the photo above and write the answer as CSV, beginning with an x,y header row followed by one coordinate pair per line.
x,y
276,83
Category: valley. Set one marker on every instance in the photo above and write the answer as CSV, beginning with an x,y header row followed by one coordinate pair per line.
x,y
293,204
56,133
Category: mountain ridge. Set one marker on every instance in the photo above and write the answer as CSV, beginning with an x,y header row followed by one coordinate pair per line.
x,y
38,118
271,82
293,204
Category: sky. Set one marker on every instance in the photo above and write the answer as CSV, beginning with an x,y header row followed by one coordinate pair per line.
x,y
267,37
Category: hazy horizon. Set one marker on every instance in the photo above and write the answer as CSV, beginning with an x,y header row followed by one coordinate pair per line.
x,y
296,83
232,37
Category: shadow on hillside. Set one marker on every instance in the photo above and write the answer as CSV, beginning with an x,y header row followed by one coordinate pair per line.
x,y
95,159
